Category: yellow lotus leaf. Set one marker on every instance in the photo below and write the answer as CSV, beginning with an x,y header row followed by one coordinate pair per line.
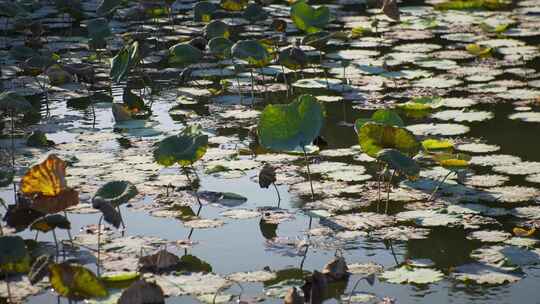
x,y
76,282
523,232
47,178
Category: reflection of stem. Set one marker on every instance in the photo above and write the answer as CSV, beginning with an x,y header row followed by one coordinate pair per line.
x,y
439,185
278,196
388,191
393,252
305,256
99,246
309,173
8,288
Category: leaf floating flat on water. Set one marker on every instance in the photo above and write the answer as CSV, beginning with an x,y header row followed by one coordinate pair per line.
x,y
406,274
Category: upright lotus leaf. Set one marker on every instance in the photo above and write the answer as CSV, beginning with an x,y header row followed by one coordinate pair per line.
x,y
184,54
50,222
98,29
159,261
19,216
293,58
251,51
373,137
116,193
124,60
14,257
220,47
308,18
76,282
57,75
13,102
452,161
203,11
142,292
390,9
254,13
6,178
106,7
110,214
267,176
216,28
36,65
317,40
45,184
40,269
234,5
184,148
192,263
291,126
399,162
39,139
382,116
432,145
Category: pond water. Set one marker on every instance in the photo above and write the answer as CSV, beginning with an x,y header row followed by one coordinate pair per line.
x,y
459,223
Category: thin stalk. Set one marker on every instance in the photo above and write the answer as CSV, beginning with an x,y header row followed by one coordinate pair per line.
x,y
304,257
388,191
393,252
278,196
98,262
8,288
191,183
382,169
36,236
309,173
13,154
285,79
121,219
439,185
69,231
324,70
1,229
56,244
252,88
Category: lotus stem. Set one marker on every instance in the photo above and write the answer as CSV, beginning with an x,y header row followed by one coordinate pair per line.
x,y
69,231
252,88
1,229
56,244
309,173
388,191
36,236
191,183
439,185
278,196
304,257
13,155
121,219
98,262
6,277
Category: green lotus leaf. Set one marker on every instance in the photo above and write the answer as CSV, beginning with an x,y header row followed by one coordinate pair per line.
x,y
120,280
383,116
452,161
50,222
203,11
254,13
184,148
13,102
317,40
220,47
399,162
431,145
308,18
6,178
21,52
98,29
472,4
39,139
293,58
251,51
110,214
57,75
76,282
184,54
373,137
116,193
14,257
234,5
291,126
216,28
106,7
125,59
192,263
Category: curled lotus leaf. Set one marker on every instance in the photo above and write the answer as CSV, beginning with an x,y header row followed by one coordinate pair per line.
x,y
293,58
124,60
234,5
14,256
431,145
291,126
120,279
382,116
39,269
141,292
110,214
399,162
216,28
50,222
452,161
220,47
159,261
116,193
184,54
309,19
13,102
76,282
203,11
373,137
184,148
251,51
20,216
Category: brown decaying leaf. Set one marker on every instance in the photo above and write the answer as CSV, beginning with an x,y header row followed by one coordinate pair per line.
x,y
267,176
391,9
292,297
159,261
336,269
315,288
142,292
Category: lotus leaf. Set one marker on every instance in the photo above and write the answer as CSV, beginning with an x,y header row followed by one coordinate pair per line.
x,y
374,137
406,274
308,18
234,5
452,161
124,60
437,145
184,148
76,282
21,52
40,269
184,54
383,116
14,257
293,58
478,50
98,29
399,162
38,139
116,193
216,28
50,222
192,263
254,13
251,51
110,214
120,280
291,126
6,178
472,4
13,102
317,40
203,11
220,47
